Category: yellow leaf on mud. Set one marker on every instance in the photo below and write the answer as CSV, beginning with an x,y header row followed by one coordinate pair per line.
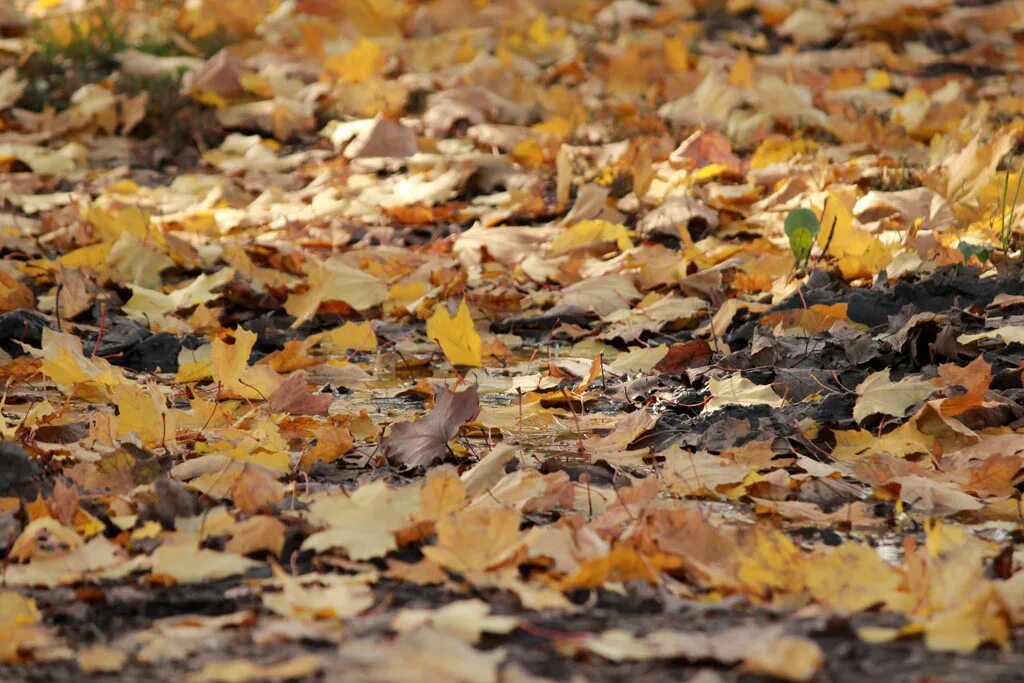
x,y
331,444
456,335
135,263
25,639
700,474
640,360
199,291
260,532
110,225
467,619
905,440
977,619
677,57
93,256
17,610
443,493
742,74
1008,334
790,658
621,564
779,149
302,667
13,294
402,295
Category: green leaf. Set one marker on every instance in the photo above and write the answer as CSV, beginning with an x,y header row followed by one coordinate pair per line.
x,y
969,250
801,227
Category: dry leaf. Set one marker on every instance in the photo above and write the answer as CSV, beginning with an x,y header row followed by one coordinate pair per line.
x,y
456,335
426,440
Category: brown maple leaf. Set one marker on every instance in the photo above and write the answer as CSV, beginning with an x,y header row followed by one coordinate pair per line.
x,y
425,441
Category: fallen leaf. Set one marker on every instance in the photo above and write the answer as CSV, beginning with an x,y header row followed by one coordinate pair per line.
x,y
364,523
738,390
426,440
292,396
186,564
467,619
242,670
335,280
877,394
456,335
474,540
229,361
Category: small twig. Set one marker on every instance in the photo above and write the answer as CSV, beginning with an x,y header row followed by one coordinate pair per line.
x,y
810,443
576,420
828,242
56,305
246,384
99,335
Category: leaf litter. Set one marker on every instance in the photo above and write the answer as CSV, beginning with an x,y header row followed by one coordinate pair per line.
x,y
500,342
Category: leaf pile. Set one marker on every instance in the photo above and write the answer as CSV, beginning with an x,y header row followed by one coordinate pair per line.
x,y
480,341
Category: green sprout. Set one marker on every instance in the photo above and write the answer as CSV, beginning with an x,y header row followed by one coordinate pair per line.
x,y
801,228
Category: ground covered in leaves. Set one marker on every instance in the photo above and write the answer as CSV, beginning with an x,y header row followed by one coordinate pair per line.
x,y
379,340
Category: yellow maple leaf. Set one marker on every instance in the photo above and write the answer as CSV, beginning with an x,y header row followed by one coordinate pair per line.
x,y
878,394
966,626
777,149
66,366
400,296
93,256
742,74
456,336
143,411
853,577
13,294
475,540
770,562
858,252
17,610
588,232
738,390
334,280
150,301
230,364
362,61
352,337
677,57
109,225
